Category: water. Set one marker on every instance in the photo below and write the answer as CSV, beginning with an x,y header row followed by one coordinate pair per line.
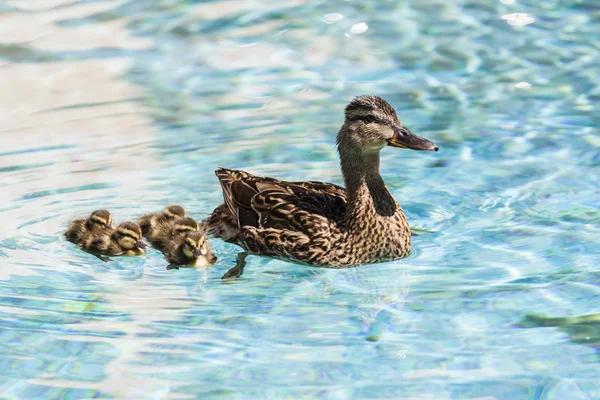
x,y
131,105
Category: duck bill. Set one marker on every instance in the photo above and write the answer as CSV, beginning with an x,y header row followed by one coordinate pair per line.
x,y
141,244
197,253
404,138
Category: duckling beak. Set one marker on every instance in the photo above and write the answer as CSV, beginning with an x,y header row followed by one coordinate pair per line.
x,y
404,138
197,253
141,244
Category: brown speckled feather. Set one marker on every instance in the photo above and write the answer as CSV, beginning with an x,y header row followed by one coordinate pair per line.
x,y
302,221
269,203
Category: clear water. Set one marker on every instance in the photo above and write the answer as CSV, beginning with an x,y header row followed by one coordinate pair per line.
x,y
131,105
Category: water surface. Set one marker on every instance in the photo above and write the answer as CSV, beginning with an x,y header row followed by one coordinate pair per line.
x,y
131,105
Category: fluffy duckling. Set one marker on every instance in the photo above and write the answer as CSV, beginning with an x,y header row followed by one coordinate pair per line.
x,y
126,240
149,221
189,249
164,232
99,221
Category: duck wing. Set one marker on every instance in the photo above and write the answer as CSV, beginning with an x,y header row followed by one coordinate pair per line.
x,y
262,202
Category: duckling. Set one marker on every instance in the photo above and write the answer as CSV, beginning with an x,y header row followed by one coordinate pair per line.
x,y
149,221
126,240
189,249
165,231
99,221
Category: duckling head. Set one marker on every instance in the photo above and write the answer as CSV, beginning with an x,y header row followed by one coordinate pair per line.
x,y
129,236
173,212
196,247
186,224
101,219
371,124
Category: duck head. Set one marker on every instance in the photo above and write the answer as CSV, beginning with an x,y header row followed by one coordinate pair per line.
x,y
173,212
129,236
371,124
187,224
100,219
197,248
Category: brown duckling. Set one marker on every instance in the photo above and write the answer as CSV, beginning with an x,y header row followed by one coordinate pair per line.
x,y
166,231
99,221
189,249
126,240
149,221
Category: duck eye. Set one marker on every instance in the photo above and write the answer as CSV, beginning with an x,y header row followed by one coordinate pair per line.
x,y
369,119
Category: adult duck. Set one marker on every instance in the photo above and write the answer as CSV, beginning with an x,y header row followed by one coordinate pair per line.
x,y
321,223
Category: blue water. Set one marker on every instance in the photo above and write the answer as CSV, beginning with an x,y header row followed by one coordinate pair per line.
x,y
138,102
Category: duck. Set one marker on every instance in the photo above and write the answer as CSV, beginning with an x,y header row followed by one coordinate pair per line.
x,y
164,232
148,221
126,240
319,223
98,222
188,249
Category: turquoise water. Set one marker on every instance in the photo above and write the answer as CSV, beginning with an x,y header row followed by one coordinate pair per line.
x,y
130,106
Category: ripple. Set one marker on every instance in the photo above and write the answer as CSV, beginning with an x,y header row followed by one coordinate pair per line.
x,y
44,193
23,167
36,150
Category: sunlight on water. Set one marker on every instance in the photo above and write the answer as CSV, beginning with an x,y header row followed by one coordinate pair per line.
x,y
332,18
357,29
131,105
518,19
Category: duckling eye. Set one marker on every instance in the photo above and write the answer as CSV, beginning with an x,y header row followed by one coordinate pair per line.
x,y
369,119
204,249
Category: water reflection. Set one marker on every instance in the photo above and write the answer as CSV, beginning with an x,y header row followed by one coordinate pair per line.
x,y
582,329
